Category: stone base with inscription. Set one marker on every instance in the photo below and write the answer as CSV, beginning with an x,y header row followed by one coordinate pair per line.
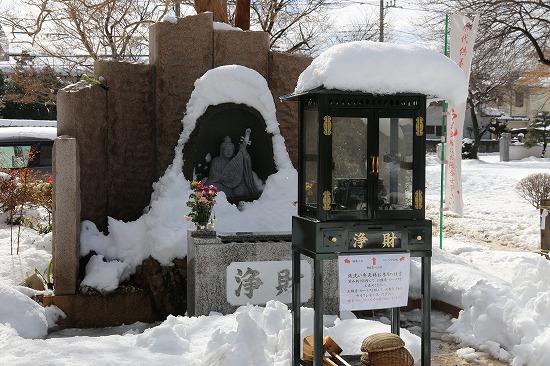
x,y
228,270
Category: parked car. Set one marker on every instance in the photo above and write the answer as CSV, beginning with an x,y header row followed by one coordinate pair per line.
x,y
27,147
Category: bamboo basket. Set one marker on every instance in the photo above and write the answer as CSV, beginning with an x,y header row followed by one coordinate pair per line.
x,y
396,357
382,342
385,349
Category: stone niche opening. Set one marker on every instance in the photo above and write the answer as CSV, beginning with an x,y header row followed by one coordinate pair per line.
x,y
219,121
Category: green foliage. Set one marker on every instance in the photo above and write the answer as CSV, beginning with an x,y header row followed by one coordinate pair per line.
x,y
40,224
539,131
498,128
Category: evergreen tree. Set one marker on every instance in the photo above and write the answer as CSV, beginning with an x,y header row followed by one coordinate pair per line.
x,y
539,131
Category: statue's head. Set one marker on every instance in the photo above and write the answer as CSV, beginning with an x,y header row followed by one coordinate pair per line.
x,y
227,149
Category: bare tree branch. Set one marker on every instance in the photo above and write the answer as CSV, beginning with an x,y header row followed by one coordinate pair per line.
x,y
92,29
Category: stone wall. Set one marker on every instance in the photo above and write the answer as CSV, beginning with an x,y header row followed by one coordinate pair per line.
x,y
82,114
284,71
126,135
181,53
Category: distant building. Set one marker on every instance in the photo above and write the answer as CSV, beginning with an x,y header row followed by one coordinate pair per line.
x,y
523,103
4,45
434,117
529,96
515,109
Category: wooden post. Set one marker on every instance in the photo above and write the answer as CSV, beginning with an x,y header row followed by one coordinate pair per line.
x,y
545,233
242,14
217,7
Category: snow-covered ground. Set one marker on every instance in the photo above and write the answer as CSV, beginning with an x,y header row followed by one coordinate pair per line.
x,y
487,267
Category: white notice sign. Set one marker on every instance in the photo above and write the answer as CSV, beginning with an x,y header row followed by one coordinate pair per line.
x,y
374,281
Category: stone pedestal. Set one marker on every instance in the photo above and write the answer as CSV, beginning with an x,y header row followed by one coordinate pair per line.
x,y
545,223
66,221
98,311
504,146
210,255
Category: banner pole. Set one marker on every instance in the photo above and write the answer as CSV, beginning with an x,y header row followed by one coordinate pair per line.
x,y
443,136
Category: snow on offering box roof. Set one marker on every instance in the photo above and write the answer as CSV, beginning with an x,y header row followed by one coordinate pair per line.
x,y
385,68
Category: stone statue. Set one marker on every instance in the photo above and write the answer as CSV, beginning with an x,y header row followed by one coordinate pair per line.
x,y
232,173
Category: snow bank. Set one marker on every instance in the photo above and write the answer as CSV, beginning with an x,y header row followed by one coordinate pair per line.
x,y
519,312
24,316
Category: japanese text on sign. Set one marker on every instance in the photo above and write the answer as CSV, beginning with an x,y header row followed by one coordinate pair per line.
x,y
376,281
375,239
258,282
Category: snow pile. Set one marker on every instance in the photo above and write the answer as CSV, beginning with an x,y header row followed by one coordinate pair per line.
x,y
168,18
503,293
385,68
22,316
103,275
34,252
252,336
519,312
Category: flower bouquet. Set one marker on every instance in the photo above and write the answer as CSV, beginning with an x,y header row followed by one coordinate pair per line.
x,y
202,202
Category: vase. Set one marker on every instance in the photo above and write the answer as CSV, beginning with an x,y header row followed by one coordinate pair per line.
x,y
203,220
201,225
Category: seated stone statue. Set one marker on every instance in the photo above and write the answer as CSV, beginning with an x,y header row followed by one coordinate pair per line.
x,y
232,173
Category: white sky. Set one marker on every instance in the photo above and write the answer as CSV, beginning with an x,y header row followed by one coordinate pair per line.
x,y
399,18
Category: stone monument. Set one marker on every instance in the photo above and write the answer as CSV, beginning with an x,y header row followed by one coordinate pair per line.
x,y
122,140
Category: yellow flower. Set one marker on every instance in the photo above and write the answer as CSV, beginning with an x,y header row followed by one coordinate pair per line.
x,y
195,183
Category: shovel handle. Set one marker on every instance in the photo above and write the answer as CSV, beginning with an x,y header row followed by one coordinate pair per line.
x,y
334,349
328,362
341,359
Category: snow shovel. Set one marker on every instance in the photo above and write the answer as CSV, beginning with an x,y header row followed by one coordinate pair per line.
x,y
333,349
308,352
